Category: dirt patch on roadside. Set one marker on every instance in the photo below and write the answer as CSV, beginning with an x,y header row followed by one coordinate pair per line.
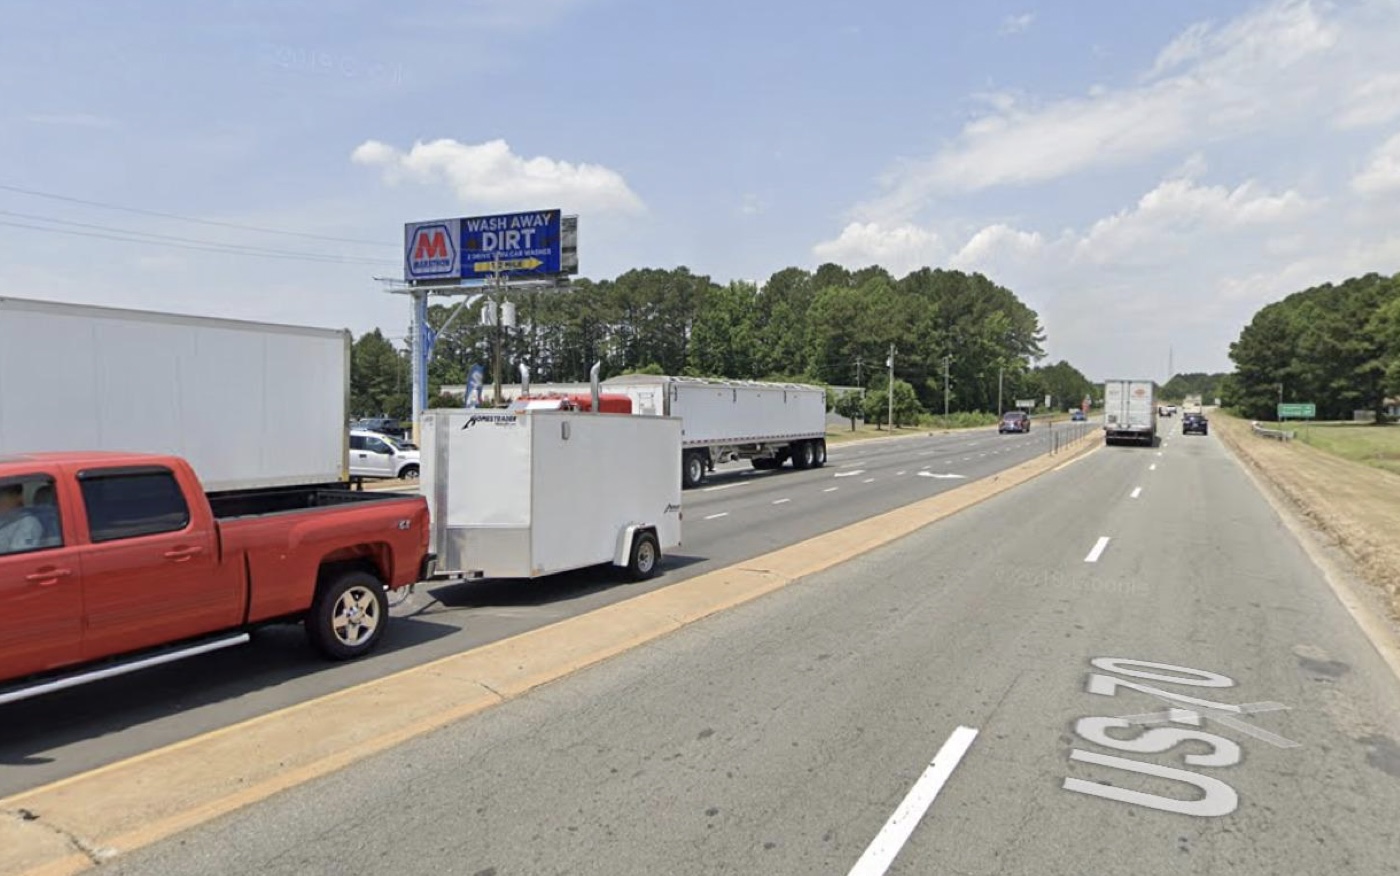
x,y
1355,504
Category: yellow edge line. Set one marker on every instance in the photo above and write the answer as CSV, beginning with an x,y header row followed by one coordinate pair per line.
x,y
78,801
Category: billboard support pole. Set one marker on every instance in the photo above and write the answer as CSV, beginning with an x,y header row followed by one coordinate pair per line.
x,y
419,297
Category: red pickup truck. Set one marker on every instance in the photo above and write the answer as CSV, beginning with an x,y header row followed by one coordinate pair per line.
x,y
111,562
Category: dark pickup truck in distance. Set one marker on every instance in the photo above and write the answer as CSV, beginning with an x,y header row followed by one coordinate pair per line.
x,y
112,562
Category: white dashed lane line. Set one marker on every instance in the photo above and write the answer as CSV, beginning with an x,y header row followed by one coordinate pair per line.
x,y
717,516
1137,492
1097,550
781,501
831,489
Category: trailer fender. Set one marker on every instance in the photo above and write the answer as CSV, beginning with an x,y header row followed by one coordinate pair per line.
x,y
622,555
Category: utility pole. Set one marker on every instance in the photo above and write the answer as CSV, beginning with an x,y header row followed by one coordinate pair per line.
x,y
890,393
1001,375
947,360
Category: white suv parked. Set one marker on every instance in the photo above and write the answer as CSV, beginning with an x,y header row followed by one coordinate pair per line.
x,y
373,455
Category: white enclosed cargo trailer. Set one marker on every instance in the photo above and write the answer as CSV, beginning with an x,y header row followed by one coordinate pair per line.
x,y
1130,411
724,420
249,405
532,493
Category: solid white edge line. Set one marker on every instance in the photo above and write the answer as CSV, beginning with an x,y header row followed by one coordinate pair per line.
x,y
1098,550
882,851
1137,492
717,516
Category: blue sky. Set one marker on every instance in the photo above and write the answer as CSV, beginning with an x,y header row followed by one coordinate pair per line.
x,y
1145,175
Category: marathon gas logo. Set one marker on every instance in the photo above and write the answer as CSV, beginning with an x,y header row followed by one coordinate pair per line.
x,y
431,250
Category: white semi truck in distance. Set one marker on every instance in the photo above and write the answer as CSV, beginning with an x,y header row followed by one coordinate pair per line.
x,y
249,405
1130,412
724,420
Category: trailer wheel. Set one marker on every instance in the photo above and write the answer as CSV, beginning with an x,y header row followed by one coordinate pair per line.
x,y
819,446
645,558
348,616
692,469
804,455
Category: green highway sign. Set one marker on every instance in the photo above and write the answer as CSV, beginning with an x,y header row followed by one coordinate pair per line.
x,y
1297,411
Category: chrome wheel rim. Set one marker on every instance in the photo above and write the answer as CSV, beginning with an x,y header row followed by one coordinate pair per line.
x,y
356,616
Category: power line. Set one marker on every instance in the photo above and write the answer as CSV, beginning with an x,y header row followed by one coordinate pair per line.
x,y
212,247
141,212
251,250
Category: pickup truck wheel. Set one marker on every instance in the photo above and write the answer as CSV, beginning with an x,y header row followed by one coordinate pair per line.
x,y
646,556
409,472
348,616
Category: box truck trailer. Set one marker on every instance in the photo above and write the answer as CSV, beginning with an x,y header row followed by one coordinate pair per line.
x,y
1130,412
247,404
725,420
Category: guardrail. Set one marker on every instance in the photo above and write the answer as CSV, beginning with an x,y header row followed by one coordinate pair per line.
x,y
1068,433
1275,434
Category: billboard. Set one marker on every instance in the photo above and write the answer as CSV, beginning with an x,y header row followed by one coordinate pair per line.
x,y
539,243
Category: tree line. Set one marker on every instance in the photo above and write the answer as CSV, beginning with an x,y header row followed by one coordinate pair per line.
x,y
832,326
1337,346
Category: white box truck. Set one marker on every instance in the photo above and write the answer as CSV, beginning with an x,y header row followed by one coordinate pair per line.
x,y
531,493
249,405
724,420
1130,412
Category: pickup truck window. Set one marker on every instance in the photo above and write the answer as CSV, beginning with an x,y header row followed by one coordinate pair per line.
x,y
357,442
28,515
128,504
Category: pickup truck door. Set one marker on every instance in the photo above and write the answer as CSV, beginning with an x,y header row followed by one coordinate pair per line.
x,y
371,457
41,599
151,573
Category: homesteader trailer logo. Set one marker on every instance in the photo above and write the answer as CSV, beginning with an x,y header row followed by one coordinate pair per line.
x,y
494,419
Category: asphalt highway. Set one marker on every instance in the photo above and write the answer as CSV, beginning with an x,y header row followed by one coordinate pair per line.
x,y
739,513
1128,665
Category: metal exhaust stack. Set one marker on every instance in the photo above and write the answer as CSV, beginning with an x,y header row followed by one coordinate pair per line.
x,y
595,386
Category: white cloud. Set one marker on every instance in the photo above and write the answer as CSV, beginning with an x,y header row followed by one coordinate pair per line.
x,y
996,243
1190,45
1382,174
1269,71
898,248
491,175
752,205
1374,102
1017,23
1179,207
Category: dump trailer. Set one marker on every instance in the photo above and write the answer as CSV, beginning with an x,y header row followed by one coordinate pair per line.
x,y
248,404
1130,412
724,420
